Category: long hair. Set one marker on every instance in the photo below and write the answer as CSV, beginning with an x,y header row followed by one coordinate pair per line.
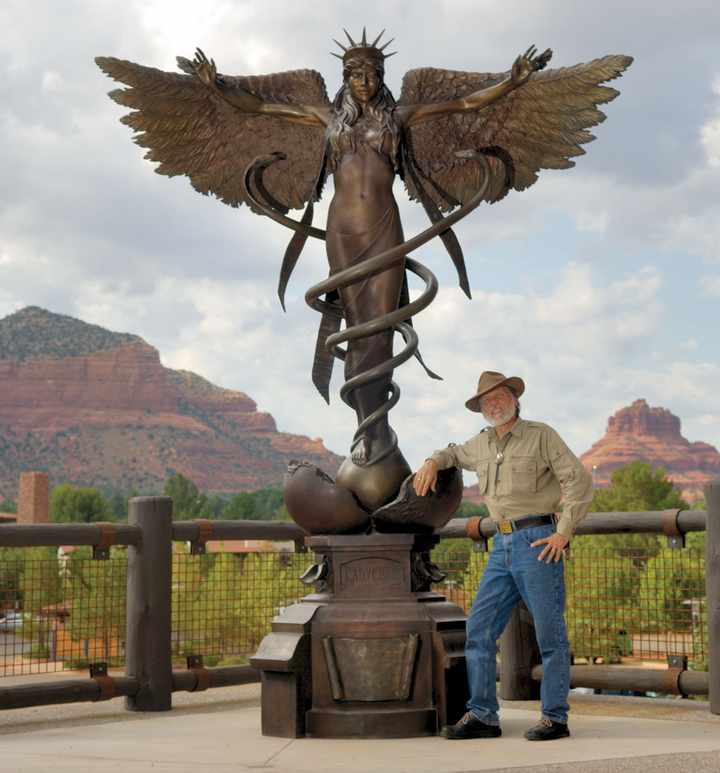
x,y
347,111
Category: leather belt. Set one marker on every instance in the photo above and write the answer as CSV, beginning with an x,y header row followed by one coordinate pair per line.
x,y
508,526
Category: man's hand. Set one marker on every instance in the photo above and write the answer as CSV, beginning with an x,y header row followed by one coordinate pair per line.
x,y
426,478
554,548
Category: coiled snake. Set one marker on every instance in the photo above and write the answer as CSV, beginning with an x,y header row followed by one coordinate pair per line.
x,y
397,320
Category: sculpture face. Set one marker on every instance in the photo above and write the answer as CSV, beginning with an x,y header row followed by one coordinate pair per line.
x,y
363,80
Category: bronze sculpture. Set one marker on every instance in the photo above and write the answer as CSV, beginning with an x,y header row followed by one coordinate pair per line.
x,y
373,652
455,138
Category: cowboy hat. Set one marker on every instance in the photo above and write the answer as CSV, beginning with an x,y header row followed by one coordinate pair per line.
x,y
489,379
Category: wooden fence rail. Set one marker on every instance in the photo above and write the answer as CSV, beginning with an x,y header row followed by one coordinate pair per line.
x,y
150,532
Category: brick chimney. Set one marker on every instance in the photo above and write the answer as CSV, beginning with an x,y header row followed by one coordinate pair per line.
x,y
34,498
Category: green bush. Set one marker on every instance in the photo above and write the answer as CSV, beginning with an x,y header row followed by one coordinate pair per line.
x,y
670,579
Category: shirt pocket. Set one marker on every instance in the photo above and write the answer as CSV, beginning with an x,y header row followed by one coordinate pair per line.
x,y
483,470
523,475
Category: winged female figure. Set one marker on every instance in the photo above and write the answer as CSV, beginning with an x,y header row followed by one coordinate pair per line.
x,y
455,138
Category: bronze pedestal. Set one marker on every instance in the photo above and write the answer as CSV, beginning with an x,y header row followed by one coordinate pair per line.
x,y
373,653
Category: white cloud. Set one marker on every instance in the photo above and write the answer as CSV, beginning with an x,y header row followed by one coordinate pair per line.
x,y
234,334
574,344
710,131
710,285
52,82
592,222
87,229
710,134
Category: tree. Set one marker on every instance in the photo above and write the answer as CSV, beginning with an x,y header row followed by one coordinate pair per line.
x,y
40,586
95,600
8,506
468,583
601,604
71,504
631,582
267,502
264,505
672,581
695,540
226,607
215,506
12,564
636,487
471,510
240,507
188,501
119,506
254,601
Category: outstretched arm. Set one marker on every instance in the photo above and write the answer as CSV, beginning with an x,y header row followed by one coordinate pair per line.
x,y
522,68
205,70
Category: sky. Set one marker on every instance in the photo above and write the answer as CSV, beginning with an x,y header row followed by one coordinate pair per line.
x,y
599,285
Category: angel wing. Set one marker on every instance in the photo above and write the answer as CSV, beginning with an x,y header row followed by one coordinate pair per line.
x,y
190,130
540,125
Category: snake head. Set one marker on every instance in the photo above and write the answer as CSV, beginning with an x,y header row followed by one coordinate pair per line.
x,y
263,162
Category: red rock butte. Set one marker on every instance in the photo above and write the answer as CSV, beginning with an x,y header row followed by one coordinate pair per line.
x,y
639,432
93,407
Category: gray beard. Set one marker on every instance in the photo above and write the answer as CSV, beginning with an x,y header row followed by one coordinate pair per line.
x,y
502,419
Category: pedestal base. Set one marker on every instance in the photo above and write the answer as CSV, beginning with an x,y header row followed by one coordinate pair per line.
x,y
372,655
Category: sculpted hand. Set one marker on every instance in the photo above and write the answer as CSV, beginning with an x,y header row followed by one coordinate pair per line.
x,y
528,63
426,478
204,69
554,548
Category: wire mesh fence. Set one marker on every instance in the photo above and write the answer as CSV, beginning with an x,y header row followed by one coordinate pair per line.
x,y
62,609
223,604
626,599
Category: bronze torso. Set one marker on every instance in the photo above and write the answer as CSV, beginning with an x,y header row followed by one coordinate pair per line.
x,y
363,177
362,222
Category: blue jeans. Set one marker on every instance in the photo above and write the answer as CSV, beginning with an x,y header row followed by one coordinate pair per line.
x,y
513,573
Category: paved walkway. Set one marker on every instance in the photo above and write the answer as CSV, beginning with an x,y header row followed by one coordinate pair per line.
x,y
220,731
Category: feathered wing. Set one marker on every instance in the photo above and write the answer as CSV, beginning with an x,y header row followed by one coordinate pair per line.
x,y
190,130
540,125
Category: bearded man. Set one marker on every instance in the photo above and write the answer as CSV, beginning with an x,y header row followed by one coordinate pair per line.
x,y
524,469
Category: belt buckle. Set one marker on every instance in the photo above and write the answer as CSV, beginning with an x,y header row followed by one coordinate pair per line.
x,y
506,527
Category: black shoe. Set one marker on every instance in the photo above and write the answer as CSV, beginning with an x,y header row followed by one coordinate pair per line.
x,y
469,726
547,730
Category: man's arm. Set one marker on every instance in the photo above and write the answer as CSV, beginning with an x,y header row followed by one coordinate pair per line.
x,y
464,456
575,483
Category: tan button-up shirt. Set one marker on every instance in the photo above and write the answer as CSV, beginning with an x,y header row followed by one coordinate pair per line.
x,y
535,472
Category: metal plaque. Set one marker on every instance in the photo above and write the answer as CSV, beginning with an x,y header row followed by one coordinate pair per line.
x,y
379,669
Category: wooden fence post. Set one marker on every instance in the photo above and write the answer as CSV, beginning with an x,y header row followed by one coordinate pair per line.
x,y
712,590
148,655
519,653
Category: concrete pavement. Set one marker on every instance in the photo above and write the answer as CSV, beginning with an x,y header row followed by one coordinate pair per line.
x,y
220,731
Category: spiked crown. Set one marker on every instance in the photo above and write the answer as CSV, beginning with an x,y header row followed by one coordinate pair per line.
x,y
364,49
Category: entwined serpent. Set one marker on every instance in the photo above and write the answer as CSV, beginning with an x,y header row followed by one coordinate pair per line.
x,y
261,200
